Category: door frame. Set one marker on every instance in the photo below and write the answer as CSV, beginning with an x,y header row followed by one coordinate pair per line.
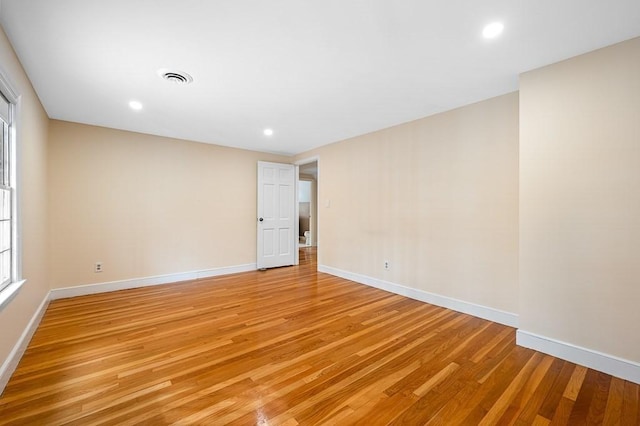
x,y
307,160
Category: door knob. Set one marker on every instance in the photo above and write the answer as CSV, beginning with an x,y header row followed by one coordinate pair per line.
x,y
260,219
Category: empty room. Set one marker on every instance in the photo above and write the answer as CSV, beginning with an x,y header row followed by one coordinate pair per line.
x,y
302,213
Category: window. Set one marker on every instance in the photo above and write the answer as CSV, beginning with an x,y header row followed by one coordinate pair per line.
x,y
6,195
10,277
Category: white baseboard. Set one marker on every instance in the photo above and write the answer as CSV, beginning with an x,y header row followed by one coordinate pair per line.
x,y
10,364
484,312
618,367
83,290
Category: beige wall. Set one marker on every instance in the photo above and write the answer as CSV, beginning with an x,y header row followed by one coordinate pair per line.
x,y
32,169
580,200
146,205
437,198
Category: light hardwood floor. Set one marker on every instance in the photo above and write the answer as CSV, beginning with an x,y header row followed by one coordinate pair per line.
x,y
292,346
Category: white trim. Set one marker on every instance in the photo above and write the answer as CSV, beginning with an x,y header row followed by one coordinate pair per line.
x,y
296,202
17,187
9,292
15,167
83,290
484,312
7,89
307,160
618,367
10,364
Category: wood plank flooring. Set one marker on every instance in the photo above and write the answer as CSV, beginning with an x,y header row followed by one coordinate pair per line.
x,y
292,346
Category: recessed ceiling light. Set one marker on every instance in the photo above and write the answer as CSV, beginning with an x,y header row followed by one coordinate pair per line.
x,y
135,105
268,132
493,30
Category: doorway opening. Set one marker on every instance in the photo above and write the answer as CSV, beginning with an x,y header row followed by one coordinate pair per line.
x,y
308,204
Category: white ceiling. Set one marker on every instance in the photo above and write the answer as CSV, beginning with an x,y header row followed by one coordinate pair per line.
x,y
314,71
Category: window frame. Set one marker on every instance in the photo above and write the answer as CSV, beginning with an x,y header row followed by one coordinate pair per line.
x,y
7,196
10,289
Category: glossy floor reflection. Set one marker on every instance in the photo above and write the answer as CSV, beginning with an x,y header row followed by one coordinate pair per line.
x,y
292,346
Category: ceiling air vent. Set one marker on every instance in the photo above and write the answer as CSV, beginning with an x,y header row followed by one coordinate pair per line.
x,y
176,77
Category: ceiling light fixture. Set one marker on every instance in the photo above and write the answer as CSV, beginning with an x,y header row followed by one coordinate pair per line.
x,y
175,76
493,30
135,105
268,132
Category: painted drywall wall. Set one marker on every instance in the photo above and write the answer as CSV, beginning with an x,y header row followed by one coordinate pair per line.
x,y
436,197
580,200
32,178
145,205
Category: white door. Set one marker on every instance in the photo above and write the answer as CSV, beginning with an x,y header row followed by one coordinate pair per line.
x,y
276,215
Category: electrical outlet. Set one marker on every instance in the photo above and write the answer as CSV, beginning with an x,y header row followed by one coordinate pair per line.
x,y
98,267
387,266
